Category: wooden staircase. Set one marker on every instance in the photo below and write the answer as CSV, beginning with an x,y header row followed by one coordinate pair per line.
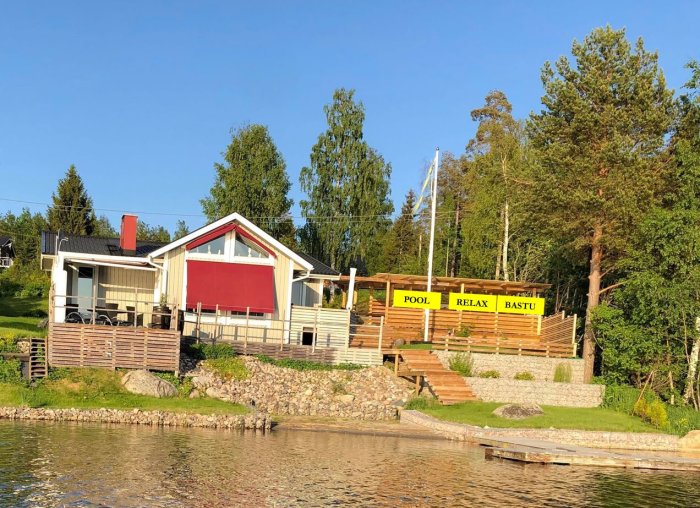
x,y
37,358
448,386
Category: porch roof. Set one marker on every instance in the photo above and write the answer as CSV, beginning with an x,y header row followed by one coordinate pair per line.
x,y
420,282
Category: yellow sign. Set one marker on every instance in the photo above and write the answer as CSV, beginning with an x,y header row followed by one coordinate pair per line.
x,y
473,303
416,299
520,305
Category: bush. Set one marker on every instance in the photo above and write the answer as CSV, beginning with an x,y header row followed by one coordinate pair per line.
x,y
228,368
183,384
8,345
464,331
562,373
421,403
10,371
492,374
203,351
290,363
653,412
524,376
462,363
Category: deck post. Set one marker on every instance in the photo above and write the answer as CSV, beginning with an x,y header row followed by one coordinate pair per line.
x,y
573,337
136,304
313,341
381,333
419,383
396,364
387,299
199,322
247,323
216,321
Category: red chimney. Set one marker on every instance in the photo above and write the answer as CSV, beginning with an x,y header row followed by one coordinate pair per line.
x,y
127,237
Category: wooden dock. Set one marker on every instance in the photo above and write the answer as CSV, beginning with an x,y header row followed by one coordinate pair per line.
x,y
546,452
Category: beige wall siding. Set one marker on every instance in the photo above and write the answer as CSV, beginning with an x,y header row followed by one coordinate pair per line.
x,y
332,326
124,286
175,261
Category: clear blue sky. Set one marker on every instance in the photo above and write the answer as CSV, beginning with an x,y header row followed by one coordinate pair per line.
x,y
141,96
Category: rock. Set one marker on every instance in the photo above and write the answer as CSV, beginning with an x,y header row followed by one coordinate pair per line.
x,y
345,399
194,394
398,342
518,411
691,441
143,382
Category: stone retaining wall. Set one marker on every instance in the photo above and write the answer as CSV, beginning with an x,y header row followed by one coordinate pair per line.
x,y
537,392
256,421
371,393
592,439
509,365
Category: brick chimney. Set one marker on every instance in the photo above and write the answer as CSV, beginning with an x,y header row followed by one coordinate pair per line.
x,y
127,237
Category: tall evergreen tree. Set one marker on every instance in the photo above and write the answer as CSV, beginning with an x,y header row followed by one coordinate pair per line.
x,y
25,231
181,230
598,139
104,228
152,233
71,211
347,183
252,181
403,241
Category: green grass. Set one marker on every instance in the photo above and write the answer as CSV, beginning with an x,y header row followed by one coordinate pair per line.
x,y
19,316
99,388
418,345
479,413
307,364
228,368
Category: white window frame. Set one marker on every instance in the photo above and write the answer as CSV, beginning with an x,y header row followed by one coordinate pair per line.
x,y
228,255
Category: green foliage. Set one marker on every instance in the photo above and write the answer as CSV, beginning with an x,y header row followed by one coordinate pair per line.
x,y
421,403
181,230
103,228
10,371
464,331
71,211
182,383
8,345
252,181
462,363
401,244
562,373
346,178
491,374
25,231
152,233
524,376
228,368
339,388
653,412
290,363
204,351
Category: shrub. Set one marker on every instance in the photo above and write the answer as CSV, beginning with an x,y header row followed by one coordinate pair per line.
x,y
8,345
203,351
290,363
10,371
339,388
492,374
462,363
183,384
421,403
524,376
653,412
464,331
562,373
228,368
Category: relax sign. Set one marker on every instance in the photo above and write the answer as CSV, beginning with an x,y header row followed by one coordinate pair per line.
x,y
470,302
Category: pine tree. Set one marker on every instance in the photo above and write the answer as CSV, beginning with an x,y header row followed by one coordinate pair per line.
x,y
347,184
598,139
402,242
252,181
152,233
71,211
104,228
181,230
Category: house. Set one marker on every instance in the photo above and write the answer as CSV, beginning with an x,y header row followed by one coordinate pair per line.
x,y
228,281
7,252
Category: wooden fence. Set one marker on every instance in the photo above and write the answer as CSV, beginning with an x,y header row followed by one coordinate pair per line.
x,y
81,345
553,336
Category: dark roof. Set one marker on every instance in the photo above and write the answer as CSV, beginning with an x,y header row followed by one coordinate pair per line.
x,y
319,268
93,245
4,240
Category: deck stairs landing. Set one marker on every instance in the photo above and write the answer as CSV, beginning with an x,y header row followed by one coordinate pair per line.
x,y
37,358
448,386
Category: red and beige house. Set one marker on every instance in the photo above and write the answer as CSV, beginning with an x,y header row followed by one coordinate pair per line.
x,y
228,281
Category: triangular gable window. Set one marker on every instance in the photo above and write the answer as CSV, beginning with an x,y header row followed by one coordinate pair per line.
x,y
215,246
246,249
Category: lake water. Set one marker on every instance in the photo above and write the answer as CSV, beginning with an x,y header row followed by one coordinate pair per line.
x,y
63,464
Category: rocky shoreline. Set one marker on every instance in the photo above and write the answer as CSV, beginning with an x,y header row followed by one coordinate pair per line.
x,y
252,421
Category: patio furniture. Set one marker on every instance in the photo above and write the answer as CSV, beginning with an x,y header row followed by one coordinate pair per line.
x,y
131,311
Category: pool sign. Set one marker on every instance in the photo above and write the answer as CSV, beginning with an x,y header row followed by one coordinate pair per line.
x,y
472,302
520,305
416,299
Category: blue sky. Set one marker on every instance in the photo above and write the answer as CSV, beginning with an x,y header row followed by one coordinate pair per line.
x,y
141,96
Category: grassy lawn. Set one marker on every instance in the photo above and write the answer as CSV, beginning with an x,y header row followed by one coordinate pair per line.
x,y
479,413
418,345
16,316
97,388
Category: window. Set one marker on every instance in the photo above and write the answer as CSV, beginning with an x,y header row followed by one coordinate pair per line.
x,y
215,246
247,249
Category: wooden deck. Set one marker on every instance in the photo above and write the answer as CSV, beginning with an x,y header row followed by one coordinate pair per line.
x,y
546,452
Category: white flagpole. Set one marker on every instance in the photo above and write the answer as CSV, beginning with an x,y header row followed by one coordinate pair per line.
x,y
432,238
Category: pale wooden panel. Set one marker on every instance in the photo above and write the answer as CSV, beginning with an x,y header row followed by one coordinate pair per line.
x,y
176,271
119,285
332,325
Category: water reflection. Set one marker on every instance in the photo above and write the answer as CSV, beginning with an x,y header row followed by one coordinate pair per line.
x,y
91,465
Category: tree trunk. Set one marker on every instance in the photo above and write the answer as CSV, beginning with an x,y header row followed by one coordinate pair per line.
x,y
692,364
593,301
506,234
